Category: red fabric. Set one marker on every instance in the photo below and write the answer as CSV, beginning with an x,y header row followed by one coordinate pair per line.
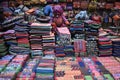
x,y
23,40
60,55
103,43
36,46
96,18
80,46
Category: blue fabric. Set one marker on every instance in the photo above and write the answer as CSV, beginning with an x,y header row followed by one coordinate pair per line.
x,y
98,63
48,11
81,64
106,19
75,29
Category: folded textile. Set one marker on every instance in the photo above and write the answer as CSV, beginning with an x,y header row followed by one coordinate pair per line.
x,y
36,46
79,45
18,50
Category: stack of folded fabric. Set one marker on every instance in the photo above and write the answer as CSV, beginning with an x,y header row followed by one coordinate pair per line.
x,y
116,47
36,42
77,30
92,47
59,51
3,47
69,50
4,61
67,69
22,39
91,27
77,26
21,27
10,37
40,28
37,30
28,72
48,40
22,34
80,46
13,67
111,65
13,49
36,53
45,68
49,52
11,22
105,46
63,36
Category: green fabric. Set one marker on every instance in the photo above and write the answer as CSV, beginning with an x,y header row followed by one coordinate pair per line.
x,y
3,49
77,22
24,45
48,74
3,53
88,77
96,26
108,76
2,44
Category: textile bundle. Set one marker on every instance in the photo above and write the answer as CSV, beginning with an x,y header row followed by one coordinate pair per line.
x,y
3,47
64,36
79,46
116,47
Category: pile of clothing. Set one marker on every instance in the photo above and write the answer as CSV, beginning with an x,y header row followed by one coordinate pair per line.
x,y
59,51
45,68
3,47
80,47
22,35
37,30
116,47
13,49
10,37
69,50
36,53
92,47
63,36
48,40
105,44
11,22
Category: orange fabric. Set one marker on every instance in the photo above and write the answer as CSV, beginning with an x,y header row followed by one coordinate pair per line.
x,y
116,17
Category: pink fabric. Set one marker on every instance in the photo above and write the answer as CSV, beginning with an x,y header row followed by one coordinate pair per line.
x,y
63,30
80,45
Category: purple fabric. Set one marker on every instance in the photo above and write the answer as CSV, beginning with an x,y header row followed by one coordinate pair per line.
x,y
57,9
